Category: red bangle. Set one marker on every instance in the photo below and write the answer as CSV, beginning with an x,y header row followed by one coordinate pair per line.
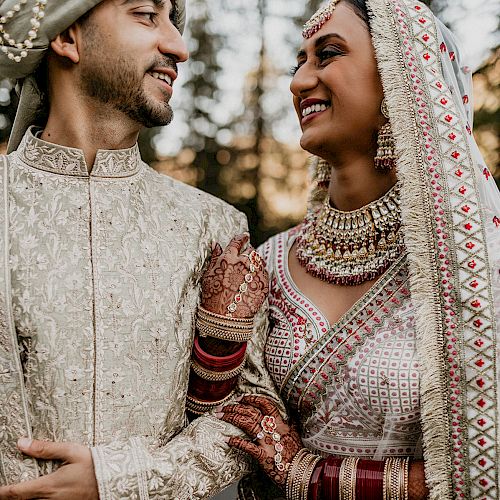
x,y
314,492
204,390
330,483
370,479
218,363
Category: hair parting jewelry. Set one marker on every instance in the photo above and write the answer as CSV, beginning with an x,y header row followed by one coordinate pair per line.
x,y
6,40
348,248
323,15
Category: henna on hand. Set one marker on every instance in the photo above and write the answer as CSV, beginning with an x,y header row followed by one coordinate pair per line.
x,y
417,489
248,416
226,273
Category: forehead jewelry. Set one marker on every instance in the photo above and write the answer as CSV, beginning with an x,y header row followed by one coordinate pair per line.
x,y
323,15
6,41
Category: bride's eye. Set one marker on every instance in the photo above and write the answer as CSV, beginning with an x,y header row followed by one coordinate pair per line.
x,y
328,52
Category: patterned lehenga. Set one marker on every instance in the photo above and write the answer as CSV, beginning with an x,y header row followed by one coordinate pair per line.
x,y
412,368
353,385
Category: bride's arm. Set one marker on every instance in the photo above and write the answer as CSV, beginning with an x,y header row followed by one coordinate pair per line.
x,y
277,447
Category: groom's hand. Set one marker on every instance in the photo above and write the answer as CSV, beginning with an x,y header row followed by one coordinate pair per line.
x,y
74,479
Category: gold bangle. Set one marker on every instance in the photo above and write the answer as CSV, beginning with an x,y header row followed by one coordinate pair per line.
x,y
307,476
300,472
292,472
386,482
301,468
201,407
213,376
231,336
227,328
347,478
224,324
395,481
405,478
226,319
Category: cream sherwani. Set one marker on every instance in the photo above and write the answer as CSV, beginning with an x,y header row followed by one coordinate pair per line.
x,y
100,277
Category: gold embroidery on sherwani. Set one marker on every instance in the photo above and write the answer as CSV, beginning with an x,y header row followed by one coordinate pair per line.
x,y
105,273
15,419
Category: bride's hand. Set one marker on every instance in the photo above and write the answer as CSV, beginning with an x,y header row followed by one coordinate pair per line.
x,y
257,416
235,278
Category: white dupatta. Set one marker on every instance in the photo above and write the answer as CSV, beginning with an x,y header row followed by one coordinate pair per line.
x,y
451,224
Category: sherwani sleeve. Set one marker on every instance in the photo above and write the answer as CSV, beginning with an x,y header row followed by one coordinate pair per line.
x,y
197,463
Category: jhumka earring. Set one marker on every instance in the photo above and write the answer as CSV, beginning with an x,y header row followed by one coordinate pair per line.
x,y
323,173
385,159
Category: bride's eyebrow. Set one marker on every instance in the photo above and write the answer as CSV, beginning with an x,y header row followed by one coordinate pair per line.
x,y
320,41
325,38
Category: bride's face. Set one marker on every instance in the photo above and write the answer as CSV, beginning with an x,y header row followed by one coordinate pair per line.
x,y
336,87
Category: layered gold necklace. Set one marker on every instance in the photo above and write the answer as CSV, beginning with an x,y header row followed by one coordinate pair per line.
x,y
349,248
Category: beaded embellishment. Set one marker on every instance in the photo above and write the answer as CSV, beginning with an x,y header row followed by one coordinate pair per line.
x,y
323,15
7,42
349,248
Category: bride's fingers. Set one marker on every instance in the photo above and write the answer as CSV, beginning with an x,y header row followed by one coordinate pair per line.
x,y
237,243
246,446
246,410
265,405
216,250
247,424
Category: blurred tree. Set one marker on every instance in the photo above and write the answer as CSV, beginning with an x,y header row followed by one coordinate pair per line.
x,y
8,105
202,89
487,112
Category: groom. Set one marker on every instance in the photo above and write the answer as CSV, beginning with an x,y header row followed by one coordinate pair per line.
x,y
100,263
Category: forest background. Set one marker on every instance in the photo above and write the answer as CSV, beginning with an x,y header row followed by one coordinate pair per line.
x,y
235,133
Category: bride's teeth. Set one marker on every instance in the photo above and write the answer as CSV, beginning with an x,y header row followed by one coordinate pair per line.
x,y
315,108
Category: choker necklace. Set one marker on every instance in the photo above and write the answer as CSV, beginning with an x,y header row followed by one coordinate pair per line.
x,y
349,248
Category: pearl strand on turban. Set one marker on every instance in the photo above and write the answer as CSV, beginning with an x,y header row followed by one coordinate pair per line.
x,y
38,14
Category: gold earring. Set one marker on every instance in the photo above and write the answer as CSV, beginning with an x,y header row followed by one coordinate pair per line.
x,y
323,172
385,159
384,109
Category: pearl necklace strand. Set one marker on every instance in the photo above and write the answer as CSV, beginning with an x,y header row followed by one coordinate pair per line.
x,y
6,40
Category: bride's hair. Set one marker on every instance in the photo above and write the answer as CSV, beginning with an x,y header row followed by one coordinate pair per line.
x,y
360,8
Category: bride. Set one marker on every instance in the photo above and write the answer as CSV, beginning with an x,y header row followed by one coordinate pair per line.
x,y
383,300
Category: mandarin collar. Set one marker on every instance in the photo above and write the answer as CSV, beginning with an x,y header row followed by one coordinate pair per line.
x,y
64,160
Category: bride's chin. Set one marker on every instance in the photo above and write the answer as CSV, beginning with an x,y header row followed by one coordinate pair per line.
x,y
312,145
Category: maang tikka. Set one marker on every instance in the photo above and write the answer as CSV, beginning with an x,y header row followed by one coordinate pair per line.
x,y
385,159
323,15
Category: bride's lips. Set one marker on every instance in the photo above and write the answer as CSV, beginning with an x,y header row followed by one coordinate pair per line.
x,y
311,108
